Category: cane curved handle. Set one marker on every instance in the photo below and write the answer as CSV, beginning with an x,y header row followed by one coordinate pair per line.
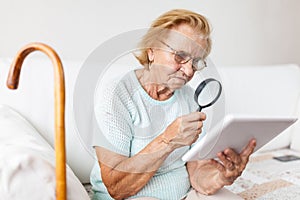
x,y
59,106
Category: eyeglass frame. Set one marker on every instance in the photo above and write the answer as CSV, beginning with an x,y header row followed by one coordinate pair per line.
x,y
175,52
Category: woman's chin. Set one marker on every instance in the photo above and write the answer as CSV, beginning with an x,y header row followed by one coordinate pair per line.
x,y
177,84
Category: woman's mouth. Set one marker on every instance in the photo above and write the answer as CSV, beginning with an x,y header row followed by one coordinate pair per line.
x,y
182,78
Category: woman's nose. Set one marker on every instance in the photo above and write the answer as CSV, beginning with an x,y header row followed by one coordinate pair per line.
x,y
187,68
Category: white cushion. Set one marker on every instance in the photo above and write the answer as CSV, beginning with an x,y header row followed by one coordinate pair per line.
x,y
34,99
27,168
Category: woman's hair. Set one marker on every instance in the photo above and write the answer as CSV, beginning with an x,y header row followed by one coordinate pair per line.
x,y
159,28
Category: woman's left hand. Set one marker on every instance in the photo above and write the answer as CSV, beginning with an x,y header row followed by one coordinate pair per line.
x,y
208,176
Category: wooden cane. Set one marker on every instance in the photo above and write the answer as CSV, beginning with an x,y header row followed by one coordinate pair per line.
x,y
59,107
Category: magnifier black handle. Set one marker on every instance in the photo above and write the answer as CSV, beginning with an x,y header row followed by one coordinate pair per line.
x,y
199,109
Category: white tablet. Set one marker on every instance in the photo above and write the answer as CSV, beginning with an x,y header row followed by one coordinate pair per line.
x,y
235,131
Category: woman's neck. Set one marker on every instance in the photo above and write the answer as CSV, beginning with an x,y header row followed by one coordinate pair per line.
x,y
151,85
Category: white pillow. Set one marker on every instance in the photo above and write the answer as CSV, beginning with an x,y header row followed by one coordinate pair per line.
x,y
27,162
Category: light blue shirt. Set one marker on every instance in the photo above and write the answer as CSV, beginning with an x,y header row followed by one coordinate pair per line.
x,y
129,120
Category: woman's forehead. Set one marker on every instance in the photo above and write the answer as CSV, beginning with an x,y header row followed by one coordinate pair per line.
x,y
185,39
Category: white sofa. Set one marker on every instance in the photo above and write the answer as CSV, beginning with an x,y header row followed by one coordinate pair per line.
x,y
260,90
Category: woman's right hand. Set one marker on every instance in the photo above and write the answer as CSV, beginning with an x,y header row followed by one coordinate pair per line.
x,y
185,130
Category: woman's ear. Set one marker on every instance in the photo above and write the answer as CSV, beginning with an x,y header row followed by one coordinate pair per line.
x,y
150,54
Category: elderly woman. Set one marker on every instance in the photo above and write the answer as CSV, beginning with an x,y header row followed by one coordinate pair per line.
x,y
149,120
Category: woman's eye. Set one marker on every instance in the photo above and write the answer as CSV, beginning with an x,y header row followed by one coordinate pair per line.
x,y
182,56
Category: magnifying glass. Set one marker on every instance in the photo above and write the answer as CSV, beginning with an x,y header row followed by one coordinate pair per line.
x,y
207,93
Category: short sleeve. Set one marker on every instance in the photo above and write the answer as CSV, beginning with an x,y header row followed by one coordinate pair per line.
x,y
112,112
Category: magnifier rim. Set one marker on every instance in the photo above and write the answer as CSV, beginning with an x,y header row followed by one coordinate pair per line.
x,y
200,88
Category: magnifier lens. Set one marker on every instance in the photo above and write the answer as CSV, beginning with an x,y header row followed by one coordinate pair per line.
x,y
207,93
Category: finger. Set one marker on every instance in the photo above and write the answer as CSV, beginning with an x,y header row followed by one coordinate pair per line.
x,y
225,177
196,126
195,138
248,150
195,116
226,162
203,116
217,165
233,156
200,125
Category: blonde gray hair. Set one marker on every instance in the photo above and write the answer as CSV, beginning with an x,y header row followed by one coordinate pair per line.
x,y
167,21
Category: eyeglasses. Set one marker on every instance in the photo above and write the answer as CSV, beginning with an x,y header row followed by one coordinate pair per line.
x,y
182,57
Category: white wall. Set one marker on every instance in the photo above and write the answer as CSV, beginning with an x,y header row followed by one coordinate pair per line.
x,y
244,32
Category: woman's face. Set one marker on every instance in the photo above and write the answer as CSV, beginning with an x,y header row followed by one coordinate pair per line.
x,y
167,70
